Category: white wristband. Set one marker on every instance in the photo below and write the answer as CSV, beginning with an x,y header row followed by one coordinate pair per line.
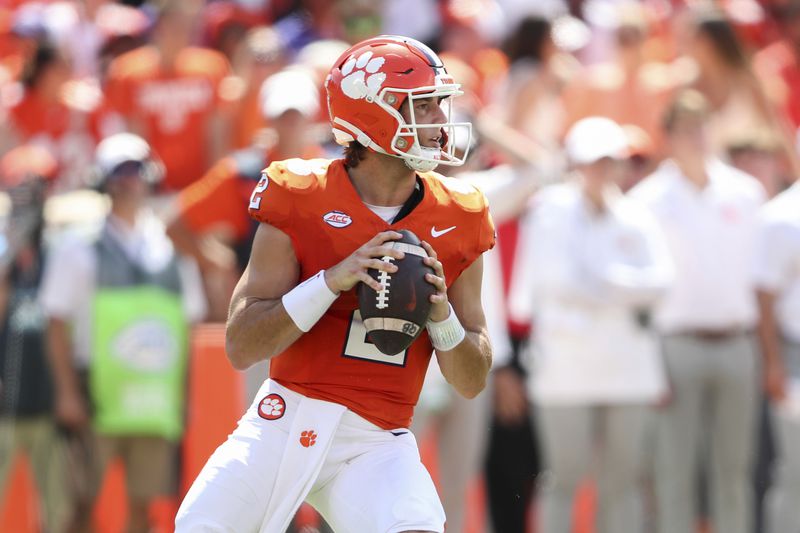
x,y
307,302
447,334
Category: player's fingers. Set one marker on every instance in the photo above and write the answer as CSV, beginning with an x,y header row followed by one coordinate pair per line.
x,y
437,282
428,248
384,236
439,298
436,265
379,264
385,250
369,280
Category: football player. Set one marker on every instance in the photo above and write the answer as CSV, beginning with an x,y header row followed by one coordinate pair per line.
x,y
330,425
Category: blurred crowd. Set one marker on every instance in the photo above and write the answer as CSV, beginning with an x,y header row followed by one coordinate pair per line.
x,y
643,299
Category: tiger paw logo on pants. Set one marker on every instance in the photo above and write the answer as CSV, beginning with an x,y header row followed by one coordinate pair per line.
x,y
271,407
308,438
361,76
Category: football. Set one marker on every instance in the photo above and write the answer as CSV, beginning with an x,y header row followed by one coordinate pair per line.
x,y
395,316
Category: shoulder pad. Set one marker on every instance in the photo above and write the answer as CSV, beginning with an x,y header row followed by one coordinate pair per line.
x,y
447,189
299,175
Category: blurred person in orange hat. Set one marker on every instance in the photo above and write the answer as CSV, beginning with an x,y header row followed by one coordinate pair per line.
x,y
27,424
629,88
169,93
41,112
211,223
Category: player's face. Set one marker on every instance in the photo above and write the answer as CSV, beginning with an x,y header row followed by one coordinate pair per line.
x,y
427,111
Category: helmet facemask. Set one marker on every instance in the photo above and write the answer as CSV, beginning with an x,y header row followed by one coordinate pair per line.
x,y
405,142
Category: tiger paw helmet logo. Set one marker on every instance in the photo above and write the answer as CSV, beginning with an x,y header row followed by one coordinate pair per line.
x,y
271,407
361,76
308,438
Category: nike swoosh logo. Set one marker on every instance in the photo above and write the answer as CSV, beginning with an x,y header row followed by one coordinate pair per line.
x,y
435,233
398,433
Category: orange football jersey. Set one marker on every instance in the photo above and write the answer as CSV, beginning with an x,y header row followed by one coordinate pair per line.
x,y
316,205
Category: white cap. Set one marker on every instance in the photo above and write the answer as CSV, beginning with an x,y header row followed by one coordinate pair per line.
x,y
289,89
591,139
120,148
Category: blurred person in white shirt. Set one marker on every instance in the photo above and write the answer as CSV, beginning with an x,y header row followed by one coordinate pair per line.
x,y
778,280
590,264
709,214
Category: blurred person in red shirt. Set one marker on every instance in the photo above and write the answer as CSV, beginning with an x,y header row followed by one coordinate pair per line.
x,y
778,65
216,204
41,112
169,93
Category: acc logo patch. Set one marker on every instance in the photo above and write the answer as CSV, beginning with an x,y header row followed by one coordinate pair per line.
x,y
337,219
271,407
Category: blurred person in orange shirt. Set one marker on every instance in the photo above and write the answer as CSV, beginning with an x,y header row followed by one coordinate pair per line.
x,y
628,89
169,93
216,204
40,111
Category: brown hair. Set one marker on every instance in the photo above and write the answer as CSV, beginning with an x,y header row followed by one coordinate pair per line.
x,y
689,103
354,153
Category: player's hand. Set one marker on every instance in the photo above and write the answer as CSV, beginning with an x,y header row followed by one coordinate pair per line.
x,y
71,410
440,309
775,381
344,276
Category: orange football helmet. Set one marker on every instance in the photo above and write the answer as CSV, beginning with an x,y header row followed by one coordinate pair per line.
x,y
370,82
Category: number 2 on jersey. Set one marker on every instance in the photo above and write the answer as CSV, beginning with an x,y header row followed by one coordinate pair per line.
x,y
255,198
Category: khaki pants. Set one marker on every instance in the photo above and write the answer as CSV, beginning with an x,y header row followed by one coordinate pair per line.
x,y
607,441
783,498
38,439
149,469
715,397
